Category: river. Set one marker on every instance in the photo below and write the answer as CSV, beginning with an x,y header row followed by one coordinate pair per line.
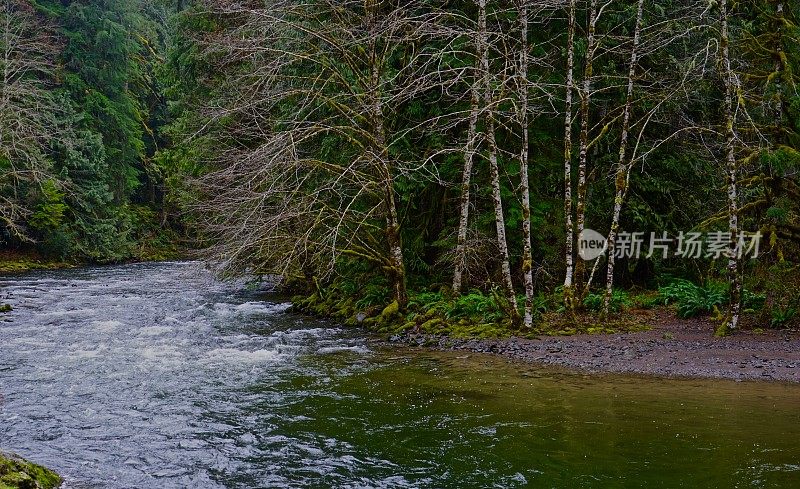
x,y
160,376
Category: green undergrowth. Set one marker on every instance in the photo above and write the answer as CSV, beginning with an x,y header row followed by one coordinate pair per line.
x,y
473,315
161,247
158,245
428,318
26,265
761,309
16,473
486,314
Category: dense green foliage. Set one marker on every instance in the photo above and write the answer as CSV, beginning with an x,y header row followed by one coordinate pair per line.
x,y
91,191
264,77
327,142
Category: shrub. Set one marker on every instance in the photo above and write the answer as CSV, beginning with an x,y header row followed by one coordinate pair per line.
x,y
648,300
782,315
693,300
476,306
752,301
373,294
619,301
427,301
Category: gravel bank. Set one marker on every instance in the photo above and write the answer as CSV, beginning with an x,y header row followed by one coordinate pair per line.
x,y
673,348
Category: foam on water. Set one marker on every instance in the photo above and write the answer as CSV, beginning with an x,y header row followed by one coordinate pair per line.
x,y
262,308
107,326
155,330
238,357
359,349
142,356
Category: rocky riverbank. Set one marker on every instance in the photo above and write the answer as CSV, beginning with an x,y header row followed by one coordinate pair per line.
x,y
671,348
16,473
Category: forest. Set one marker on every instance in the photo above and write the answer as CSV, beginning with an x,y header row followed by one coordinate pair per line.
x,y
419,165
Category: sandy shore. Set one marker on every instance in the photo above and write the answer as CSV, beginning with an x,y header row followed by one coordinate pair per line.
x,y
673,348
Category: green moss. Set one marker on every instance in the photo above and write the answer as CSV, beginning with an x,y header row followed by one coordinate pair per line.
x,y
6,308
441,315
391,311
723,329
16,473
435,325
556,324
24,265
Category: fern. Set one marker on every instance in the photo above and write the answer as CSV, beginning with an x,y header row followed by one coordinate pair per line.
x,y
619,301
781,316
693,300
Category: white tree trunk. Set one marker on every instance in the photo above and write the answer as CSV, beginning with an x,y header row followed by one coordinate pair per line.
x,y
527,256
569,294
494,170
586,96
729,79
623,165
480,82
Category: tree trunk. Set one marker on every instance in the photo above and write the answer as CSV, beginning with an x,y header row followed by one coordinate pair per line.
x,y
586,95
527,254
623,165
780,71
500,222
734,269
569,293
396,266
480,82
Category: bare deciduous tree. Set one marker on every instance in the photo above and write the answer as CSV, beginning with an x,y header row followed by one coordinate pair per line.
x,y
522,88
307,174
623,164
26,110
732,169
569,293
480,82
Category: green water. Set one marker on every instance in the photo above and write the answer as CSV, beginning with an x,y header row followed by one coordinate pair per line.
x,y
476,421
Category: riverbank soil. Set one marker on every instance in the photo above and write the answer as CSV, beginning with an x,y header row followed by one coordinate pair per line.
x,y
671,347
16,473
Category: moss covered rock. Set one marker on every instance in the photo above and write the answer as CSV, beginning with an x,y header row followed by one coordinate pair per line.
x,y
16,473
391,311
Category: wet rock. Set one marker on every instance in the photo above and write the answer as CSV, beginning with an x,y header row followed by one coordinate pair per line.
x,y
21,474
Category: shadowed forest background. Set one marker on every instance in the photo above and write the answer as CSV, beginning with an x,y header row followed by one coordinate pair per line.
x,y
413,164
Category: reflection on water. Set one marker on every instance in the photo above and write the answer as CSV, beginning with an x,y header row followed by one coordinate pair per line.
x,y
156,375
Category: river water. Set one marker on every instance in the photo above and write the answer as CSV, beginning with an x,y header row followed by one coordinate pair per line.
x,y
160,376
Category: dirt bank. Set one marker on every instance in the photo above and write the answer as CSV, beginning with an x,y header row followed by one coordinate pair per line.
x,y
672,348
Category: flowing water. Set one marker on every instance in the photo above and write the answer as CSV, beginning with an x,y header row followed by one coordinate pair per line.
x,y
159,376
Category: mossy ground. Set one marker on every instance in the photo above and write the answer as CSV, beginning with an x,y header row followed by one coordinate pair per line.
x,y
16,473
18,262
466,317
24,261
